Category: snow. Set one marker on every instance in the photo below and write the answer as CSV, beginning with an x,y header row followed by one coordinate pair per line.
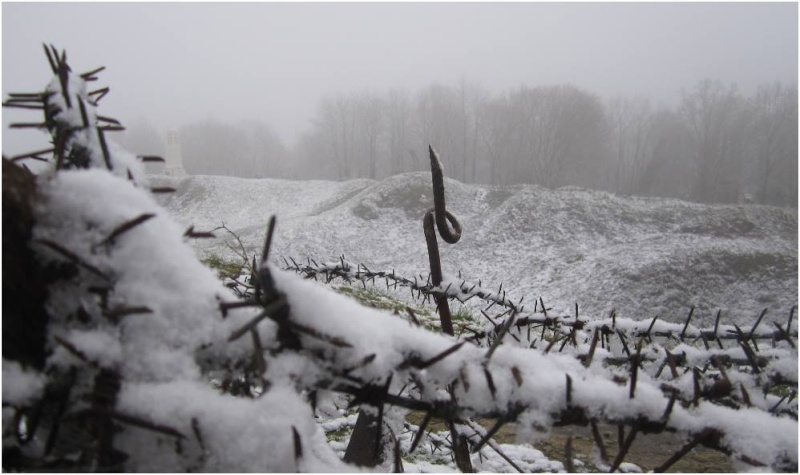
x,y
160,328
20,386
642,257
544,376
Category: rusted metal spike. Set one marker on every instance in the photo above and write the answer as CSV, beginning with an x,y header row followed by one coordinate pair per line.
x,y
119,312
91,74
681,453
625,447
268,240
569,391
588,361
397,465
751,461
111,128
688,319
420,431
624,343
63,60
517,375
751,357
696,385
18,105
551,344
298,445
716,322
84,114
773,408
490,381
280,302
127,226
745,396
412,316
464,378
72,257
100,93
753,330
225,306
672,366
635,368
32,154
61,148
567,339
27,125
598,441
784,335
789,323
652,324
335,341
73,350
376,449
63,77
135,421
198,435
668,411
104,147
489,434
50,59
30,95
150,158
499,339
441,355
191,233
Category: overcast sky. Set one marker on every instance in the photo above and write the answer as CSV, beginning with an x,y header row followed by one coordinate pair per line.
x,y
178,63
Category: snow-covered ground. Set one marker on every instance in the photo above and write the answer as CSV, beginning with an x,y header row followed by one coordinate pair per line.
x,y
641,256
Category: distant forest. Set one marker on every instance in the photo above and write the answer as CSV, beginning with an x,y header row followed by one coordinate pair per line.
x,y
716,146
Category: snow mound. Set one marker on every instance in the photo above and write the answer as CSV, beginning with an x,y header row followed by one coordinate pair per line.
x,y
641,256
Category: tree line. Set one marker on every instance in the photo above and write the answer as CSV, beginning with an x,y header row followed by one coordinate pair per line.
x,y
716,145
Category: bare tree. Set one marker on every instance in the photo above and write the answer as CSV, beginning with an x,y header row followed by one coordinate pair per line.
x,y
715,117
775,143
368,111
398,130
629,125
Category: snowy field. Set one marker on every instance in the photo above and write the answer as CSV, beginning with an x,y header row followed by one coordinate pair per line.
x,y
641,256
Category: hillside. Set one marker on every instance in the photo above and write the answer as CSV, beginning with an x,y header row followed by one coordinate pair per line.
x,y
641,256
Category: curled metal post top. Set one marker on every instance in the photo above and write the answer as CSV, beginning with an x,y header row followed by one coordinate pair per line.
x,y
439,208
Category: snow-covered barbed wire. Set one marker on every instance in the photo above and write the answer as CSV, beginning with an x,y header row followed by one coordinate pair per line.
x,y
137,327
463,291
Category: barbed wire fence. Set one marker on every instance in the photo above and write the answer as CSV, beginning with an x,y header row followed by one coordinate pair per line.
x,y
526,366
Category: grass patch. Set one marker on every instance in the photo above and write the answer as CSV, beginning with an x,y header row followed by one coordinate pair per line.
x,y
340,434
374,298
462,316
225,268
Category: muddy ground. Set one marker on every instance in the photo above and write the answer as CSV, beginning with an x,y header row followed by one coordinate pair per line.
x,y
648,450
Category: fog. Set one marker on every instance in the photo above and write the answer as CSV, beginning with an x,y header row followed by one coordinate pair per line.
x,y
173,65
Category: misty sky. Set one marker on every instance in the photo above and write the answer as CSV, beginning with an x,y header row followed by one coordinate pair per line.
x,y
178,63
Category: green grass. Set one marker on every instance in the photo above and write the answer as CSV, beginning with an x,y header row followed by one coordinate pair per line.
x,y
372,297
339,434
224,267
462,317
